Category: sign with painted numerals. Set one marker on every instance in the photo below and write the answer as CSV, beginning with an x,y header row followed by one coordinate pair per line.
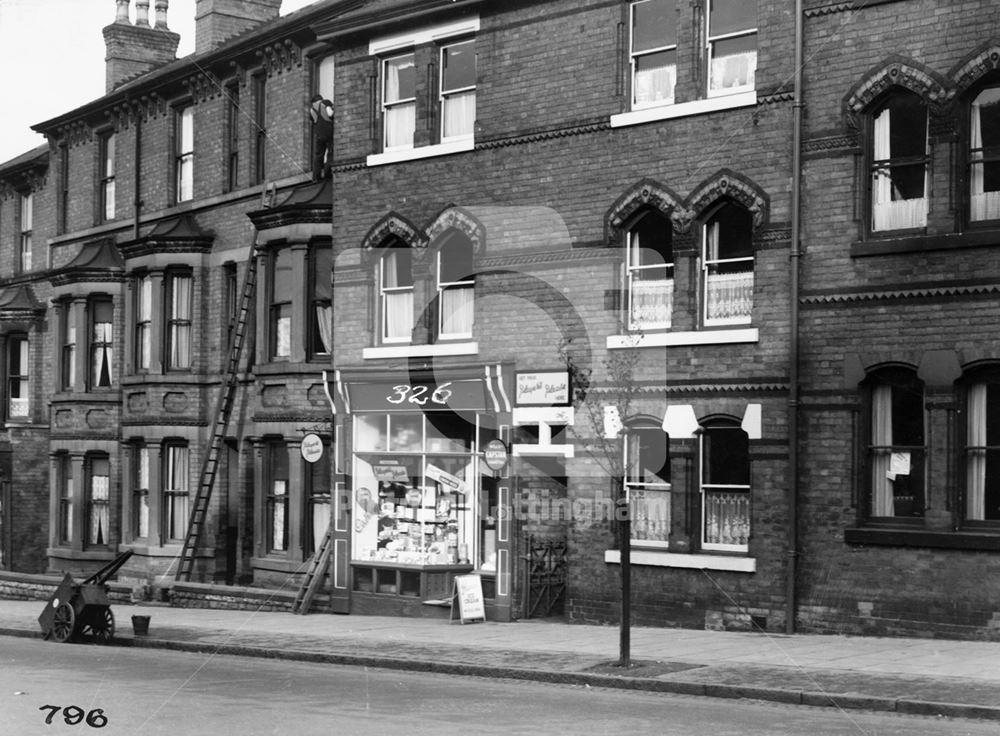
x,y
467,394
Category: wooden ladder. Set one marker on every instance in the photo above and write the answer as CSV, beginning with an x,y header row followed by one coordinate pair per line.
x,y
223,410
314,575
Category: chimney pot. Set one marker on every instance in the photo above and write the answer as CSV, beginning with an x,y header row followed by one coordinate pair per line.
x,y
142,12
122,15
161,13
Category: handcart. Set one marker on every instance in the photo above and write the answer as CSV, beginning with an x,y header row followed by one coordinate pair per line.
x,y
83,609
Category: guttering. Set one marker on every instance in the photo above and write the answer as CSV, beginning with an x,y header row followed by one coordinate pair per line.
x,y
137,172
793,343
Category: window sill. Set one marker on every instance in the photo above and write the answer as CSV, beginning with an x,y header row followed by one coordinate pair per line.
x,y
413,154
420,351
923,538
684,109
685,561
877,246
671,339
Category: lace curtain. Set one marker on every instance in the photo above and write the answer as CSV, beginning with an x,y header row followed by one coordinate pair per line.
x,y
650,303
729,295
99,511
459,113
654,83
734,70
727,518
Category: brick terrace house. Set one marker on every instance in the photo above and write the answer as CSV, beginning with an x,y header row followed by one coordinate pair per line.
x,y
568,226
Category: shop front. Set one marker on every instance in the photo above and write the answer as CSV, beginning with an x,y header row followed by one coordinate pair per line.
x,y
417,503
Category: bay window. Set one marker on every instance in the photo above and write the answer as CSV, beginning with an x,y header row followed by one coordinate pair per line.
x,y
649,269
732,46
647,485
396,293
399,101
101,343
64,482
98,500
277,477
455,287
725,487
984,155
280,320
896,451
653,52
727,266
140,491
899,168
320,338
18,379
178,320
175,490
143,321
67,340
458,90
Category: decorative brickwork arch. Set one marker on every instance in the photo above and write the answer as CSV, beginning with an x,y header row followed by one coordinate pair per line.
x,y
391,226
457,218
976,66
724,184
645,194
896,72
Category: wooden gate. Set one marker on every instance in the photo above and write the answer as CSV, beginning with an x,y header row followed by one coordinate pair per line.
x,y
545,577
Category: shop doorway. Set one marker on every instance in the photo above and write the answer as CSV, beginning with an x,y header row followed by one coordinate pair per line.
x,y
545,577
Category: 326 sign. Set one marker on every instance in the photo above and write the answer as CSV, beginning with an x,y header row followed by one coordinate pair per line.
x,y
409,394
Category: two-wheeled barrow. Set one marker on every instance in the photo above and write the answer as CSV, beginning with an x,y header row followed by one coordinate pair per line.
x,y
82,609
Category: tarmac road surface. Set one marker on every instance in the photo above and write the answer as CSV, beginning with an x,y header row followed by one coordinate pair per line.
x,y
149,692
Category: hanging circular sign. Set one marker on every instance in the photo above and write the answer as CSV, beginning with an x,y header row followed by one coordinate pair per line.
x,y
495,454
312,448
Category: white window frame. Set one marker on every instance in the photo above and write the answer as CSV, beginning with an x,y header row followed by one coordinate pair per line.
x,y
19,408
634,487
143,322
710,244
711,40
704,487
887,212
140,491
634,267
176,459
401,103
386,293
983,205
635,56
179,316
442,287
107,150
450,95
25,226
184,154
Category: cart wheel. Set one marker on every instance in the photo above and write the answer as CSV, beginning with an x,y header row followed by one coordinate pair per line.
x,y
103,627
63,622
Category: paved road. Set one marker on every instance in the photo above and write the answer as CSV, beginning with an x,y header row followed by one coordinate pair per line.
x,y
151,692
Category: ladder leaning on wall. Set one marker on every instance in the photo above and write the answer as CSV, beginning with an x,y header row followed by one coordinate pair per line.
x,y
315,574
220,422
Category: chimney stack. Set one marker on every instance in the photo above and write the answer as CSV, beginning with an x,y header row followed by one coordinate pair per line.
x,y
132,50
217,20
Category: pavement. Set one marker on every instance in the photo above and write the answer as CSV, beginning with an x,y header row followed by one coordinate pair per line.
x,y
959,679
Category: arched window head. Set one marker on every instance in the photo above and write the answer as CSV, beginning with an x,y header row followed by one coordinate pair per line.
x,y
649,266
727,265
899,159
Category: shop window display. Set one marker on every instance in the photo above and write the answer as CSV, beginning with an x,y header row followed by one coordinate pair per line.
x,y
414,489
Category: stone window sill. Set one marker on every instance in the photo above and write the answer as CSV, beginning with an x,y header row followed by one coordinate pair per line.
x,y
685,561
670,339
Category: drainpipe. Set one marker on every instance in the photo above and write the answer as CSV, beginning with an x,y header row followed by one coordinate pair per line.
x,y
793,343
136,171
